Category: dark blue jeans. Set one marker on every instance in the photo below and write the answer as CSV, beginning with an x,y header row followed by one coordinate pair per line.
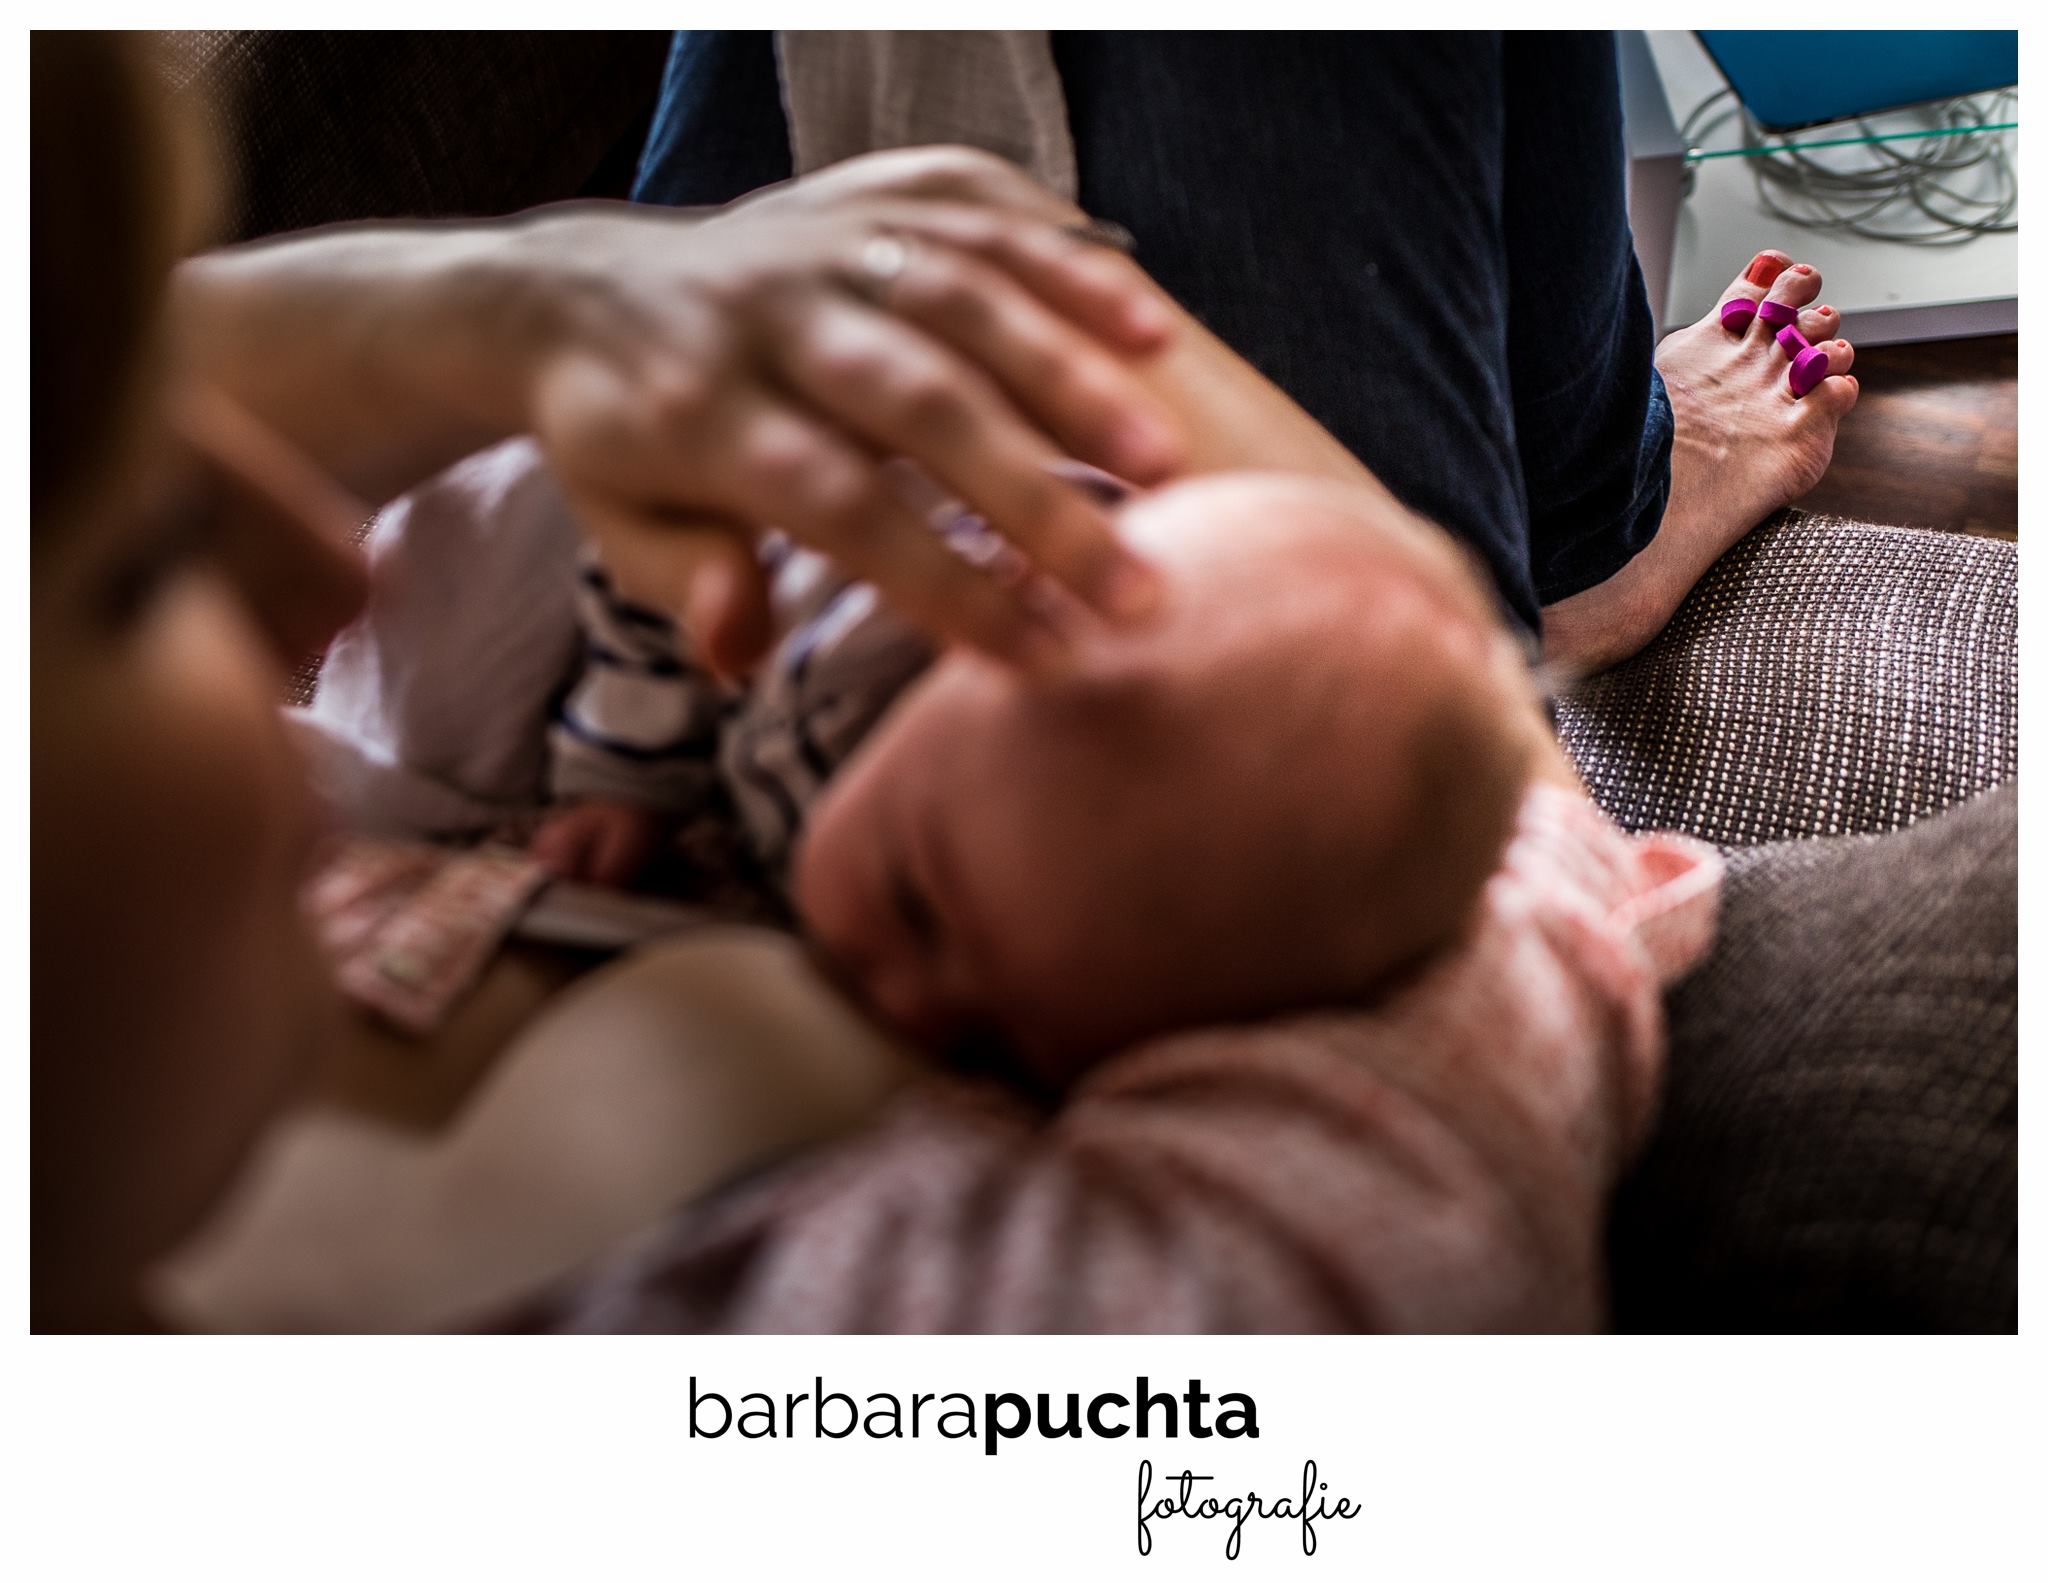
x,y
1422,238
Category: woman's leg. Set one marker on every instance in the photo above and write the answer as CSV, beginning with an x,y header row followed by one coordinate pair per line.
x,y
718,130
1741,447
1638,477
1592,422
1330,206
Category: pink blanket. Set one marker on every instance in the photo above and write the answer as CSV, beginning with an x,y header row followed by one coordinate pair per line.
x,y
1440,1161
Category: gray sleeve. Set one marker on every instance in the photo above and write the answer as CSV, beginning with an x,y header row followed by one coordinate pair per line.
x,y
844,659
640,724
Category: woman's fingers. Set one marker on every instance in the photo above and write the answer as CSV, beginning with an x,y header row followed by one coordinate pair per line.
x,y
796,472
907,395
727,609
989,206
701,571
674,507
1095,287
1059,376
939,312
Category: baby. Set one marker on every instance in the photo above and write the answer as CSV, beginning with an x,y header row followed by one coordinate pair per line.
x,y
1289,786
1350,997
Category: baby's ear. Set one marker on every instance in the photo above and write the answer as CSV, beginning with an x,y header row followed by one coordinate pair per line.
x,y
1474,759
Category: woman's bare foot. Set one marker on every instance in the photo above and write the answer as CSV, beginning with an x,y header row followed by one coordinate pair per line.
x,y
1742,446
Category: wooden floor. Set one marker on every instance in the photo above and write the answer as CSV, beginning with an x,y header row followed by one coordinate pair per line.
x,y
1934,439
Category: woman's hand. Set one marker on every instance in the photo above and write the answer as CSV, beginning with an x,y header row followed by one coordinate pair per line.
x,y
696,379
700,382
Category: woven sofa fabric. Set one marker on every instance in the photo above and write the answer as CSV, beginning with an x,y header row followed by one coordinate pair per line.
x,y
1826,677
316,127
1838,1147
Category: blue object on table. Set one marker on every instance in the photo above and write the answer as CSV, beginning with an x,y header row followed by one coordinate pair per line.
x,y
1788,80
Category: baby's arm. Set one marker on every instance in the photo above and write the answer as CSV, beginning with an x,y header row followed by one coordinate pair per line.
x,y
634,743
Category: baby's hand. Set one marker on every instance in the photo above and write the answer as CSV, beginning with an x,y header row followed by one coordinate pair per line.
x,y
600,843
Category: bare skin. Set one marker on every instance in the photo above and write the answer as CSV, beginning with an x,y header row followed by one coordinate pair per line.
x,y
1742,446
601,842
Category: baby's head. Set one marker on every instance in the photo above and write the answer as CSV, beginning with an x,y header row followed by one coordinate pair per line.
x,y
1289,785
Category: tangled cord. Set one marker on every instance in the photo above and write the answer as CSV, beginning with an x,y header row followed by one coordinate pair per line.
x,y
1795,186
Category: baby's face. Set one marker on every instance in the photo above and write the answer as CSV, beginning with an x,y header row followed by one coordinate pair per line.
x,y
1202,821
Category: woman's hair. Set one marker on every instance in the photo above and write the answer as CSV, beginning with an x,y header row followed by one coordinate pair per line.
x,y
111,207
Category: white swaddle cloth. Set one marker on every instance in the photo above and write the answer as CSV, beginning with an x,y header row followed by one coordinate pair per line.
x,y
431,713
441,710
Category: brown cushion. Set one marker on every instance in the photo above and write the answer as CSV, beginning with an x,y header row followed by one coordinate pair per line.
x,y
1826,677
1839,1143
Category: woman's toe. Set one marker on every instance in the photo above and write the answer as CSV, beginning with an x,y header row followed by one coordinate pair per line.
x,y
1761,275
1819,323
1841,357
1795,288
1832,398
1753,282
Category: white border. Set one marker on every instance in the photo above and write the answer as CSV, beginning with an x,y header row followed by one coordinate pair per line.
x,y
1600,1458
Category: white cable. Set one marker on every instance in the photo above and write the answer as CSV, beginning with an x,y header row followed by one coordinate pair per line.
x,y
1919,177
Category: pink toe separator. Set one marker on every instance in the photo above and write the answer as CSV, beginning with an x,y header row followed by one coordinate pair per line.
x,y
1809,368
1809,362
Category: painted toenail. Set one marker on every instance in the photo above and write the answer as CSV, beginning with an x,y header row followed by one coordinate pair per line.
x,y
1763,269
1802,269
1824,308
